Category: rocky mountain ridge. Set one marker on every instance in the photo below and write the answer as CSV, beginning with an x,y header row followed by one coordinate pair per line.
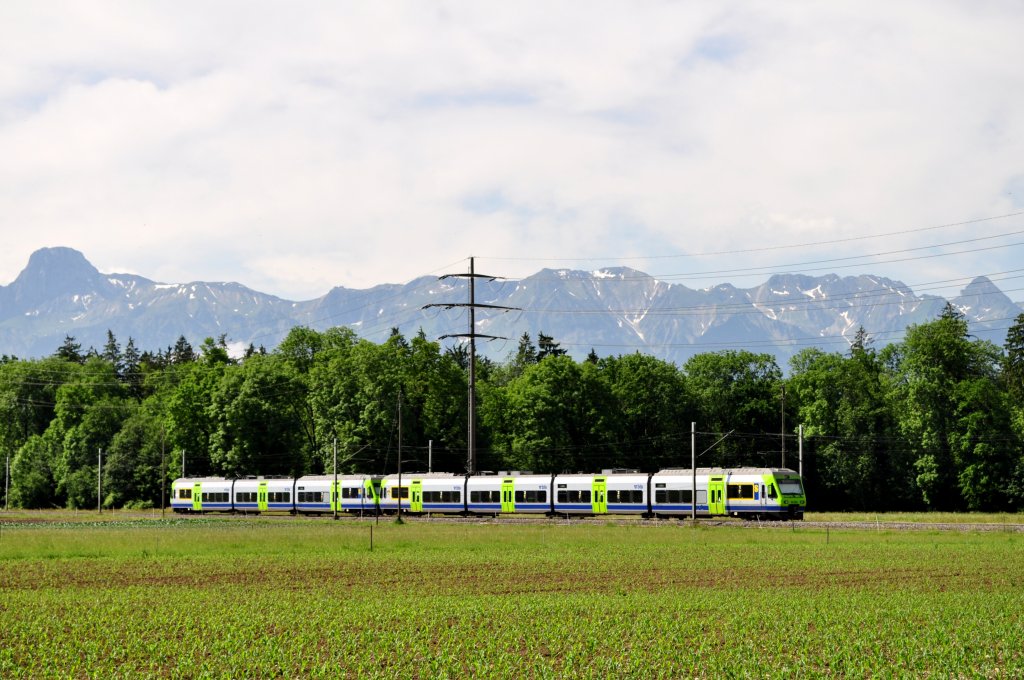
x,y
613,311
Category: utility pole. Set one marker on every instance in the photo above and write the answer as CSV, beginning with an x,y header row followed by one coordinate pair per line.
x,y
7,485
183,462
99,483
693,471
472,305
430,455
335,490
399,454
783,426
800,451
163,471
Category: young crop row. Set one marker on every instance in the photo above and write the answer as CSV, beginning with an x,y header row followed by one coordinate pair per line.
x,y
431,601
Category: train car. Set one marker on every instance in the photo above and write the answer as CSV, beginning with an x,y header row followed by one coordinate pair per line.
x,y
509,492
437,492
580,494
627,492
672,492
394,490
739,492
201,494
264,494
483,494
355,494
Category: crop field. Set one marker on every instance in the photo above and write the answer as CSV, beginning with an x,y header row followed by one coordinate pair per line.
x,y
214,597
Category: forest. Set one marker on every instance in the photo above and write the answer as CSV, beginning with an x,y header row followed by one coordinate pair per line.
x,y
934,422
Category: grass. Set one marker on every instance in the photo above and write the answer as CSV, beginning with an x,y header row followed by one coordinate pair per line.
x,y
267,598
919,517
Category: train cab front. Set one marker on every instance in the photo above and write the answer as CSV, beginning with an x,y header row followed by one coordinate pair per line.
x,y
792,501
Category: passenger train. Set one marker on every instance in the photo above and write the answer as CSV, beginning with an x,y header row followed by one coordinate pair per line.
x,y
753,493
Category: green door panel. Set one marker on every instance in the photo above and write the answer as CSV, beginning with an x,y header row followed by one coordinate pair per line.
x,y
416,496
599,495
508,495
716,495
261,496
197,497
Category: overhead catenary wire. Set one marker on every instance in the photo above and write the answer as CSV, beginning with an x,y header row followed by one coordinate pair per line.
x,y
760,249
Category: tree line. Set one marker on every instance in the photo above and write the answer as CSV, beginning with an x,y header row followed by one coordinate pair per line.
x,y
933,422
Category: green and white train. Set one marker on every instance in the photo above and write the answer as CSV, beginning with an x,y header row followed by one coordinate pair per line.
x,y
753,493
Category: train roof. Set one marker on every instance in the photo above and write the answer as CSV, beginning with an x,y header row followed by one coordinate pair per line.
x,y
330,478
722,471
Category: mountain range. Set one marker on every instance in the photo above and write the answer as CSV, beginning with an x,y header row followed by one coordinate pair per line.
x,y
612,311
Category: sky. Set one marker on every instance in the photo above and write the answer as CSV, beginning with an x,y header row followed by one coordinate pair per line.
x,y
294,147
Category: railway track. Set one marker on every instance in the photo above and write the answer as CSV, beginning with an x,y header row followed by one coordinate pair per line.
x,y
47,517
673,522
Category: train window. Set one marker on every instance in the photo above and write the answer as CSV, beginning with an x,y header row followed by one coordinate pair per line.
x,y
771,491
185,493
573,496
625,496
790,487
562,496
399,492
739,491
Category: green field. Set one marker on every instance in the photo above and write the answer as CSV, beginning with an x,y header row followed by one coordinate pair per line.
x,y
307,598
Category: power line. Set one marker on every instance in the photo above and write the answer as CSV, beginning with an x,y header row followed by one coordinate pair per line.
x,y
741,251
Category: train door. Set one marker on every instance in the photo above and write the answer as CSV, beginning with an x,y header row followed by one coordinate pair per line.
x,y
336,497
371,495
600,495
416,496
197,497
716,495
262,497
508,495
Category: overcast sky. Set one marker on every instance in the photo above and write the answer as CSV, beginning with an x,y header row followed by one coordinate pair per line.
x,y
297,146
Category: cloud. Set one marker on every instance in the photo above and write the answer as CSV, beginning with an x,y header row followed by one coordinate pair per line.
x,y
295,148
